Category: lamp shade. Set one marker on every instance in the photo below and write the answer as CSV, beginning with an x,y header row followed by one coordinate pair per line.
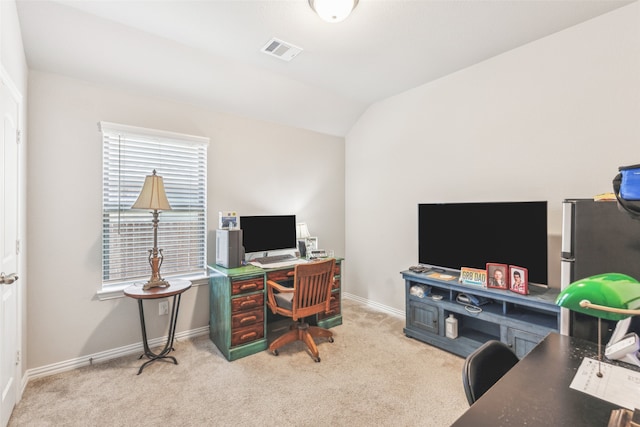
x,y
333,10
596,294
152,195
302,231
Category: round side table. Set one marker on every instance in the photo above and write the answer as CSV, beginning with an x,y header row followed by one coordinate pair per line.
x,y
176,288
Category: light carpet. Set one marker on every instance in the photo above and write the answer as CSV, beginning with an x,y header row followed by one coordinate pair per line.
x,y
371,375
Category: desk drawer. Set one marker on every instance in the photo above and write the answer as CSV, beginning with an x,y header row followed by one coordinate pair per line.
x,y
334,307
247,303
248,334
280,275
248,318
248,285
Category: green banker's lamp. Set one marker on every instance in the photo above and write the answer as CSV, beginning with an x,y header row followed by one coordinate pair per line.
x,y
611,296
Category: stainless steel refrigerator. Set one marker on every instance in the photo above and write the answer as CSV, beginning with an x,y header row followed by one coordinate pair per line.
x,y
596,238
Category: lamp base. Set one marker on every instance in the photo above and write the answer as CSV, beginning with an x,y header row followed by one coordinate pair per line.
x,y
156,284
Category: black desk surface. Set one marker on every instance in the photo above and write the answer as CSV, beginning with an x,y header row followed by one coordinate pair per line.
x,y
536,391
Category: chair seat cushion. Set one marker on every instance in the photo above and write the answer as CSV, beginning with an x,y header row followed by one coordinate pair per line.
x,y
284,300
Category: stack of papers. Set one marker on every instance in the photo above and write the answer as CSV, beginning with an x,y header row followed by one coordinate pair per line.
x,y
618,385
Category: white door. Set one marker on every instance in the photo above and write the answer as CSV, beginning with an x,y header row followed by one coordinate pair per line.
x,y
8,252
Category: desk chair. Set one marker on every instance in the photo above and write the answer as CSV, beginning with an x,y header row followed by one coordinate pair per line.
x,y
484,367
310,295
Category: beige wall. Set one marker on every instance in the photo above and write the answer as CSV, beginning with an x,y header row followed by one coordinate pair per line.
x,y
254,167
550,120
557,117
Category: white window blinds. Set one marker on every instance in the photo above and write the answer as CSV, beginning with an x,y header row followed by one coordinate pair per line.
x,y
129,154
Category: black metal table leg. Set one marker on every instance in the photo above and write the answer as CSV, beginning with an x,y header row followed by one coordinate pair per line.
x,y
170,338
175,289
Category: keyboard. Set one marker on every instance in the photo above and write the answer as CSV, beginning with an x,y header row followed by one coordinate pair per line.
x,y
273,259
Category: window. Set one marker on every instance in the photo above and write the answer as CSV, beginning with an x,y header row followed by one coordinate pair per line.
x,y
129,155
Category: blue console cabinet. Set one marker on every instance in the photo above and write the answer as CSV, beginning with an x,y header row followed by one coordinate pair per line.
x,y
520,321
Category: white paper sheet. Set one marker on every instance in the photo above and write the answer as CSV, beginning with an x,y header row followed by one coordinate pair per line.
x,y
618,385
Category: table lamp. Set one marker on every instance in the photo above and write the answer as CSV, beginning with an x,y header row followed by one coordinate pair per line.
x,y
152,196
611,296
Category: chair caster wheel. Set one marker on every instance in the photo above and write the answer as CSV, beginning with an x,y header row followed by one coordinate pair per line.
x,y
317,359
330,339
275,352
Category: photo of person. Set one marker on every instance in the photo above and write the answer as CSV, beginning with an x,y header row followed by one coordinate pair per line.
x,y
518,282
497,276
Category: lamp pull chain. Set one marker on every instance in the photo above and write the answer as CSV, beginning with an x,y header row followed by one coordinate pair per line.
x,y
599,374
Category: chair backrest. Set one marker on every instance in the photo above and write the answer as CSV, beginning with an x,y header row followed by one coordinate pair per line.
x,y
484,367
312,288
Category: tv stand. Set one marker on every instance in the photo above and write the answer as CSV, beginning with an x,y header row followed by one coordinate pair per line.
x,y
520,321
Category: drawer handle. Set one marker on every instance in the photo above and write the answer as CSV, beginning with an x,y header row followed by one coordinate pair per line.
x,y
248,319
246,286
248,302
249,335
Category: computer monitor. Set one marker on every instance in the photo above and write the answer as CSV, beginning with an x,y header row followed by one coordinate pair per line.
x,y
264,233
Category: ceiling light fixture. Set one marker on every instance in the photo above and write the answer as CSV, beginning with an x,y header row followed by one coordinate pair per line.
x,y
333,10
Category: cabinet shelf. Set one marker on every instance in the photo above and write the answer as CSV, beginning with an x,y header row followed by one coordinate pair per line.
x,y
520,321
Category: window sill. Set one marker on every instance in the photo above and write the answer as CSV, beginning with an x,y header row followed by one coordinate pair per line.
x,y
117,291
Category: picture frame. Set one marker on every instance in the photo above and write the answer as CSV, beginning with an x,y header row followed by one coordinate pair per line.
x,y
518,280
312,244
306,245
228,220
497,276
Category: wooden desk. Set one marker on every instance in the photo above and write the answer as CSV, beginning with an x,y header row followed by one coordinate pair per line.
x,y
176,288
238,319
536,391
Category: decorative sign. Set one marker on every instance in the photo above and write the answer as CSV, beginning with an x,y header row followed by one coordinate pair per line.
x,y
473,276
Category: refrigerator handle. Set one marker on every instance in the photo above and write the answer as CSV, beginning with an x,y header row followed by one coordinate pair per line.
x,y
566,268
567,229
567,262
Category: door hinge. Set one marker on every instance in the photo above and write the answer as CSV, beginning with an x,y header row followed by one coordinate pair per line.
x,y
18,247
18,136
17,357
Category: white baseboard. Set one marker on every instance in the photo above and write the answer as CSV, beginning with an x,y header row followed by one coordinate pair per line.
x,y
380,307
103,356
114,353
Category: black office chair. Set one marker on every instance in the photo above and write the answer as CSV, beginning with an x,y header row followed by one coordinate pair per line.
x,y
484,367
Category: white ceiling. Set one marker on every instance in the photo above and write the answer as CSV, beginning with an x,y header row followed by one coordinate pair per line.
x,y
208,52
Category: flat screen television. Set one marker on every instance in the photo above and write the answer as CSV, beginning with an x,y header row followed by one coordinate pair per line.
x,y
455,235
264,233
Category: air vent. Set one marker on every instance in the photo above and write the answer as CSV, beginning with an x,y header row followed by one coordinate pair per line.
x,y
282,50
